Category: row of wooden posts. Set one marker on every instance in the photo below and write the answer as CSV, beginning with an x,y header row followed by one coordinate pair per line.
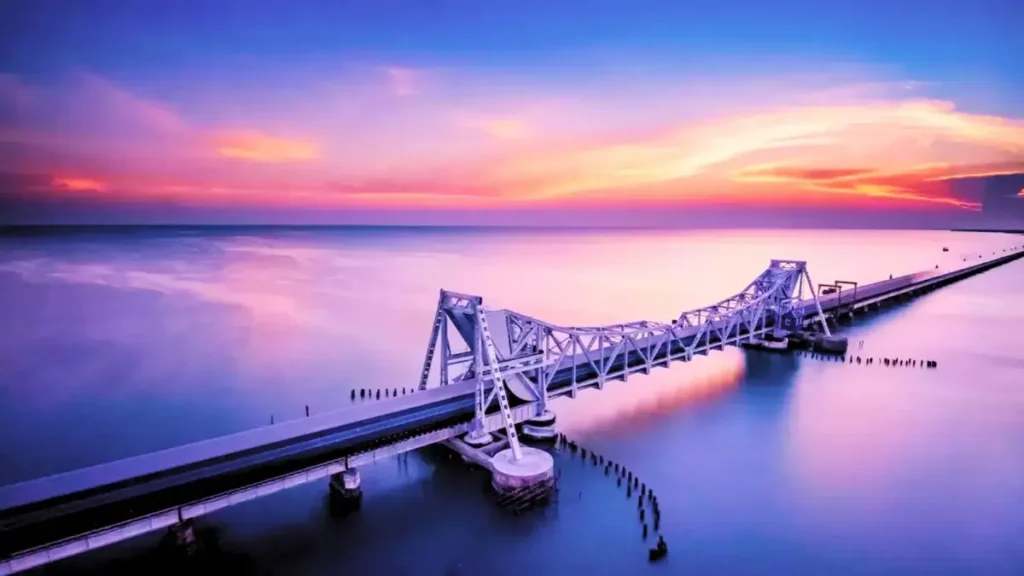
x,y
646,499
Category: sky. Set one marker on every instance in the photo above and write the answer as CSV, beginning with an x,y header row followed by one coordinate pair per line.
x,y
576,112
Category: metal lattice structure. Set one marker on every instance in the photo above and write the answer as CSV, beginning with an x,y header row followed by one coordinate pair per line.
x,y
538,360
484,335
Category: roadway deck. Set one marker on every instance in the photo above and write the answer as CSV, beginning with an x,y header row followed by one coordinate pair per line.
x,y
241,443
870,293
63,505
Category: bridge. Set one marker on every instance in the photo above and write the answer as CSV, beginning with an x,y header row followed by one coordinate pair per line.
x,y
497,369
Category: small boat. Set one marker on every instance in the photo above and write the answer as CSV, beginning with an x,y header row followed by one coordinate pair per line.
x,y
944,249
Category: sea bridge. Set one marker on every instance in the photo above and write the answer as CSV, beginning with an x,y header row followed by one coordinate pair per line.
x,y
497,370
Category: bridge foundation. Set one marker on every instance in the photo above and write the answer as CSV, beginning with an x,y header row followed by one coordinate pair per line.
x,y
182,537
478,439
346,490
534,471
540,427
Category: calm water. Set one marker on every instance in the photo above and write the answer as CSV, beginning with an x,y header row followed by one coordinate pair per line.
x,y
113,345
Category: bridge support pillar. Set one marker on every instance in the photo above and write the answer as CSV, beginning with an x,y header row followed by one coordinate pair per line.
x,y
534,472
346,490
478,439
182,537
541,427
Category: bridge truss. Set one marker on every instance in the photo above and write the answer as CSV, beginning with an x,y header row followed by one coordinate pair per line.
x,y
538,360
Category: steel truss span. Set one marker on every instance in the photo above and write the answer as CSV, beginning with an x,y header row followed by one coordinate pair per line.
x,y
538,360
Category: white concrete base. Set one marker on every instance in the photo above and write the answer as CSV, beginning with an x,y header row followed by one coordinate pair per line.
x,y
540,427
509,474
545,419
539,432
478,440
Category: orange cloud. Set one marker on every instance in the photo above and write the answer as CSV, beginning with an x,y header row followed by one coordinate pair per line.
x,y
885,136
78,184
898,185
1004,169
564,150
259,147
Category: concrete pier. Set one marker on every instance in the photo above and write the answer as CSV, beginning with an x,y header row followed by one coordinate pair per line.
x,y
478,439
541,427
534,471
182,536
346,489
535,468
473,451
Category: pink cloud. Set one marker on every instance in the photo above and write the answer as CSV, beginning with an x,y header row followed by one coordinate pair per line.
x,y
500,128
102,96
403,81
84,115
78,184
673,142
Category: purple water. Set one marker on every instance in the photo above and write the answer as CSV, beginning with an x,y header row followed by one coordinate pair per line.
x,y
115,344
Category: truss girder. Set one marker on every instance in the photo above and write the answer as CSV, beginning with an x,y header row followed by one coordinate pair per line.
x,y
551,360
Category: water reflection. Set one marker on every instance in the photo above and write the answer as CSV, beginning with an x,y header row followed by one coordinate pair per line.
x,y
765,464
623,407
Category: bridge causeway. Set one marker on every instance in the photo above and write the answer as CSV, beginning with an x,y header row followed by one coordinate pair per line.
x,y
497,369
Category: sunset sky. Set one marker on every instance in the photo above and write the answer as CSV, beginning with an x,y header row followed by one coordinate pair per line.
x,y
480,112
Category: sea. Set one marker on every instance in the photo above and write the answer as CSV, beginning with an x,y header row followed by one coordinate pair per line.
x,y
119,341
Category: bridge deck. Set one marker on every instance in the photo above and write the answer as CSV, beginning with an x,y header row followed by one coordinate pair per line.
x,y
873,291
247,443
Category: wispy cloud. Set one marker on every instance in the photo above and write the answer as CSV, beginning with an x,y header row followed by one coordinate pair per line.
x,y
98,94
78,184
668,144
898,185
500,128
259,147
886,136
86,115
403,81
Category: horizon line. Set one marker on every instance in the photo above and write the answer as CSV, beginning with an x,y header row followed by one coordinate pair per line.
x,y
125,226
